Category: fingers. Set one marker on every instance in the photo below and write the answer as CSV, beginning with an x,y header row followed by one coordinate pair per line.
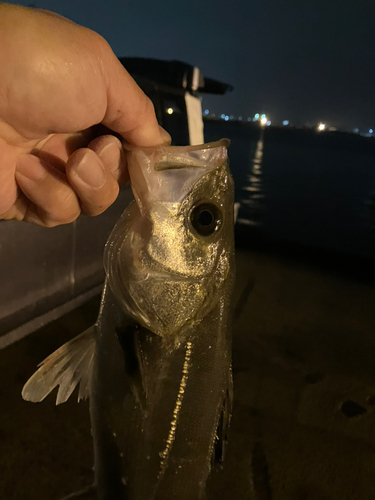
x,y
95,186
57,148
53,201
110,151
91,184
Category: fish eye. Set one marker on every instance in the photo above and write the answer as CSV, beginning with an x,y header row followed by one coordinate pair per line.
x,y
206,218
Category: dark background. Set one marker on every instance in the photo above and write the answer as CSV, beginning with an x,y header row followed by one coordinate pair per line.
x,y
302,61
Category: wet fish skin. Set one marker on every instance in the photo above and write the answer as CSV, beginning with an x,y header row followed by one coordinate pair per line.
x,y
146,471
160,380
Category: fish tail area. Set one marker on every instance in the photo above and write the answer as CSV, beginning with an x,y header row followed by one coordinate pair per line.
x,y
68,366
88,493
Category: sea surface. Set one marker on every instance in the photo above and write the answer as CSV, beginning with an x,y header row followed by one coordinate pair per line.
x,y
316,189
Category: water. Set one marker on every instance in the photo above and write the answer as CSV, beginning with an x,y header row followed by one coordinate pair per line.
x,y
304,187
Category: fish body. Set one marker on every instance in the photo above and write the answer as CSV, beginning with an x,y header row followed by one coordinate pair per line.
x,y
157,363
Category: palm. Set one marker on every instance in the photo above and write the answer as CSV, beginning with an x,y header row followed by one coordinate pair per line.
x,y
57,81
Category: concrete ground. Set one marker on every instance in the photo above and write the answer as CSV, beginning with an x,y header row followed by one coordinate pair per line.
x,y
303,425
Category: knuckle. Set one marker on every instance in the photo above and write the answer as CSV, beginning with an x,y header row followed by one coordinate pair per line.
x,y
97,38
148,109
66,199
143,113
63,209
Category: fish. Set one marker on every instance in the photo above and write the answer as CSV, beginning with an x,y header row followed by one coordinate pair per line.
x,y
156,366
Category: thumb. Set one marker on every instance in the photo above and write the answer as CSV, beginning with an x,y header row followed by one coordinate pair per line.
x,y
129,112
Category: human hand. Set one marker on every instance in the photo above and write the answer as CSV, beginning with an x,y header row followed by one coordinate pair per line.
x,y
58,81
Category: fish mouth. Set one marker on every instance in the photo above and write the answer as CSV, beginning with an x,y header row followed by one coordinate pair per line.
x,y
225,142
168,173
172,158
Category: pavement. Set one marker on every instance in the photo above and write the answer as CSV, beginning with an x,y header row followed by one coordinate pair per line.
x,y
303,425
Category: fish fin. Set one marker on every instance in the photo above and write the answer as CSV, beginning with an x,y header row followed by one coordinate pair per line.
x,y
71,364
129,339
224,423
236,209
88,493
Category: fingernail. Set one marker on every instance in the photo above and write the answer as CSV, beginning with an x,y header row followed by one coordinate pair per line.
x,y
111,155
167,139
90,171
31,167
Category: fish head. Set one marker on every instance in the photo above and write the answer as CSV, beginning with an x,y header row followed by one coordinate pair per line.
x,y
170,257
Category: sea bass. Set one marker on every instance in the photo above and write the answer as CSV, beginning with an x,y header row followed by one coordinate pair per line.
x,y
157,363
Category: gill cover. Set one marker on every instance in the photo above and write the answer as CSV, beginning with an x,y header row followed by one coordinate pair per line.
x,y
166,258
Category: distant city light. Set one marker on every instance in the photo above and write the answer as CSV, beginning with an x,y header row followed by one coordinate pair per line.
x,y
222,116
240,118
321,127
263,120
370,131
269,123
263,116
231,117
286,123
249,118
206,111
170,111
256,117
226,118
356,130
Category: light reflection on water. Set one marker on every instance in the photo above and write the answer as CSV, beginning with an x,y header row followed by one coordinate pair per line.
x,y
253,193
301,187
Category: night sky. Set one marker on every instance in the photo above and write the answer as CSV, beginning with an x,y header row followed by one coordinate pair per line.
x,y
302,61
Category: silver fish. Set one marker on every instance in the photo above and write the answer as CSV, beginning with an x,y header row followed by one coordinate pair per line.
x,y
157,363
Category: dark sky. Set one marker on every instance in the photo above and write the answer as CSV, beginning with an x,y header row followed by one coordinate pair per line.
x,y
306,61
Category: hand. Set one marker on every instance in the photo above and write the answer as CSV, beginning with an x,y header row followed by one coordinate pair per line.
x,y
58,81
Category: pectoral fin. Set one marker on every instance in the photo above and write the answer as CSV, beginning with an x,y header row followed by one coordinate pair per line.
x,y
71,364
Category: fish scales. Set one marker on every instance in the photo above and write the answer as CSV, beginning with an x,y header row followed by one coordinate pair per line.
x,y
157,363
